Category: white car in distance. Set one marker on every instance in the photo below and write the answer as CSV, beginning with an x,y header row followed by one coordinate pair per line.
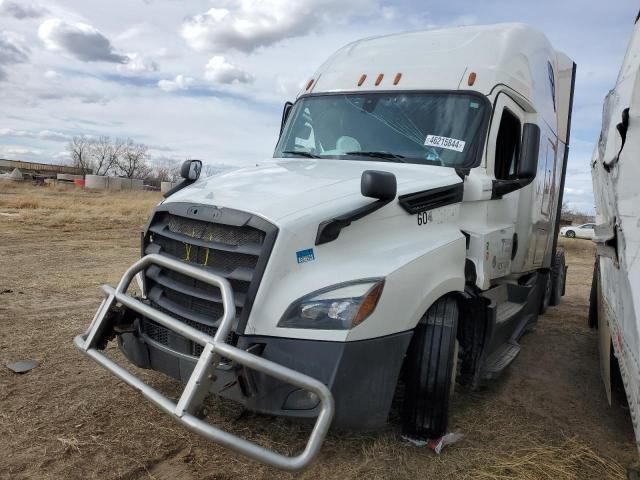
x,y
579,231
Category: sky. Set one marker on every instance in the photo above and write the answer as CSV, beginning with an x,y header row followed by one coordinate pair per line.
x,y
207,78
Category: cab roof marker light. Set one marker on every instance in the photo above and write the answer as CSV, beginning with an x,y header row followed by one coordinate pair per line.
x,y
363,77
309,84
472,79
397,78
379,79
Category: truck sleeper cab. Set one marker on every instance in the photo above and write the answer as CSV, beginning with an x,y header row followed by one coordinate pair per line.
x,y
405,233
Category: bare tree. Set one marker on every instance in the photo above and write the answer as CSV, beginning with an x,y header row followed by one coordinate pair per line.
x,y
167,170
132,162
115,152
573,216
104,154
79,150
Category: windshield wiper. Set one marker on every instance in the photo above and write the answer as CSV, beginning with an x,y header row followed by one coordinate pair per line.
x,y
301,153
392,157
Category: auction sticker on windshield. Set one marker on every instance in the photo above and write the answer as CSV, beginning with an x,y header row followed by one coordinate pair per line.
x,y
445,142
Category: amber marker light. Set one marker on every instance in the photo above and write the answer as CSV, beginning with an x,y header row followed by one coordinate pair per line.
x,y
309,84
363,77
397,78
379,79
368,305
472,79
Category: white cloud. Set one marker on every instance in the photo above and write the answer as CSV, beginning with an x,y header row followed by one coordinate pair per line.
x,y
138,64
249,24
18,151
53,136
21,11
80,40
179,83
218,70
41,135
52,75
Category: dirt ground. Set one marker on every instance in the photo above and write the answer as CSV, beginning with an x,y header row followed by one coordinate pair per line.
x,y
546,418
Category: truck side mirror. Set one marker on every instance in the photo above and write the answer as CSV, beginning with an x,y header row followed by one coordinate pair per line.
x,y
528,162
378,184
285,114
373,184
191,169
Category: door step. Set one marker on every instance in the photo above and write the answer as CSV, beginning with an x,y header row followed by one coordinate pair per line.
x,y
500,359
507,310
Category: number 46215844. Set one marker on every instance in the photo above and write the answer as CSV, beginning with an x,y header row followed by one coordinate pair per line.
x,y
424,218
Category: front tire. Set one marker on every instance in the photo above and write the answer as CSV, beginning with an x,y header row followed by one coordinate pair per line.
x,y
571,234
431,364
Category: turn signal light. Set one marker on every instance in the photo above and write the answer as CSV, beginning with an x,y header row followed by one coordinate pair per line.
x,y
368,305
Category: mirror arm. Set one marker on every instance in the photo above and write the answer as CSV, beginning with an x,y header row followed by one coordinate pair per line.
x,y
329,230
177,188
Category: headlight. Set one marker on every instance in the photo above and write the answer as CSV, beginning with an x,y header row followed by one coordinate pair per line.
x,y
340,307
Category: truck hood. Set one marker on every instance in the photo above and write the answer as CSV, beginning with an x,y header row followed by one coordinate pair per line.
x,y
283,187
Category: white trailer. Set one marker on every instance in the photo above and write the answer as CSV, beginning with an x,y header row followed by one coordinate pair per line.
x,y
404,233
615,290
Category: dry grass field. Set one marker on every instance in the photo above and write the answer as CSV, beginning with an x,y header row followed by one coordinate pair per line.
x,y
545,418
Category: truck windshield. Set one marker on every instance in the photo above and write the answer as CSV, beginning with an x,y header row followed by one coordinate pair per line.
x,y
444,129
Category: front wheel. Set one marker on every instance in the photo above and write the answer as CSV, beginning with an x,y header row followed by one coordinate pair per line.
x,y
571,234
431,365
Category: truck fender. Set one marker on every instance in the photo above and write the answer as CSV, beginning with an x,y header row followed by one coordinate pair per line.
x,y
450,279
449,287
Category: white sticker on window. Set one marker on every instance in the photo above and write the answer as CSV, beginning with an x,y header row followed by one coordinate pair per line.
x,y
445,142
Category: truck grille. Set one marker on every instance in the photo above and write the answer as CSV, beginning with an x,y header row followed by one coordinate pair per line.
x,y
237,252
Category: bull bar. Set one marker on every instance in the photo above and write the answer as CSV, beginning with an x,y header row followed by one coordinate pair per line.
x,y
197,387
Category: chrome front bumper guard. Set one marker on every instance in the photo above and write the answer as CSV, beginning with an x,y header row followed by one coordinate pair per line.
x,y
197,386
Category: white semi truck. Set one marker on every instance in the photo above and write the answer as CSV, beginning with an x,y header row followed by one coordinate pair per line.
x,y
615,290
403,234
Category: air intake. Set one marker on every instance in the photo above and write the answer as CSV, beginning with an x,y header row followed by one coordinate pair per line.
x,y
431,199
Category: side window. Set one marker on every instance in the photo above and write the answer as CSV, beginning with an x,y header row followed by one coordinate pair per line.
x,y
507,146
